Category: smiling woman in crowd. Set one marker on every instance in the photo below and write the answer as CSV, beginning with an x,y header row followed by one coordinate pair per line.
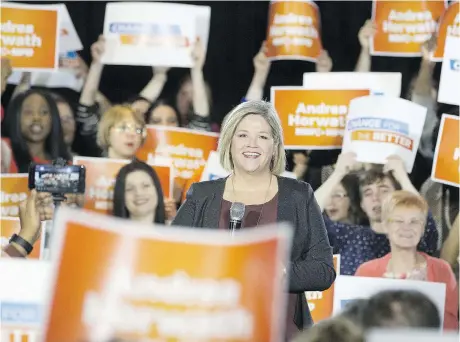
x,y
34,128
404,216
138,195
343,205
120,132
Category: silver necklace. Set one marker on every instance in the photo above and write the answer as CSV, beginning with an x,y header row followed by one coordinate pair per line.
x,y
265,200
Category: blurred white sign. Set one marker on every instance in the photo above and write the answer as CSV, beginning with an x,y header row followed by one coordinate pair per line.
x,y
154,34
380,83
381,126
449,91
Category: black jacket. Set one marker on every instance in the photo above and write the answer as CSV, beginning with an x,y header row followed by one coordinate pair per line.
x,y
311,267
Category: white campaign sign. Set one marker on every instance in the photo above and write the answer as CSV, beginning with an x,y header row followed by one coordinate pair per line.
x,y
213,169
154,34
449,91
349,288
69,40
380,83
381,126
410,335
63,78
23,289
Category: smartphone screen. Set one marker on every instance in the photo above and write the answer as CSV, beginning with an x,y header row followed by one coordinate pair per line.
x,y
57,179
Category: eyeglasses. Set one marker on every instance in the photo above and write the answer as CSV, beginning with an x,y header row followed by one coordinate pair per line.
x,y
125,128
414,223
338,196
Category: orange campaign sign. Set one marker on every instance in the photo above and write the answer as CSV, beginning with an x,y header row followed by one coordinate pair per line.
x,y
446,164
30,36
449,26
162,284
12,225
321,303
15,189
188,149
313,119
294,30
100,180
403,26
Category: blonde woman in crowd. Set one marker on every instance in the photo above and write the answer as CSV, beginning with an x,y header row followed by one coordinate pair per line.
x,y
121,132
404,217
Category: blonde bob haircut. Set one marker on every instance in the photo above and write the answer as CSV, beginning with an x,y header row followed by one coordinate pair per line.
x,y
112,117
233,119
403,199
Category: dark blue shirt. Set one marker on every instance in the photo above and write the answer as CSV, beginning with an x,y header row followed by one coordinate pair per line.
x,y
358,244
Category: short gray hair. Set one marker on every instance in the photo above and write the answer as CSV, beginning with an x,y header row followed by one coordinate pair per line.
x,y
233,119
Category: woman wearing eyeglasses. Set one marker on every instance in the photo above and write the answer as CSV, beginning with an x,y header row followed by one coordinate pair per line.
x,y
404,216
343,204
120,133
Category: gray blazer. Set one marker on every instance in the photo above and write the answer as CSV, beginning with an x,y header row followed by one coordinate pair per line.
x,y
311,267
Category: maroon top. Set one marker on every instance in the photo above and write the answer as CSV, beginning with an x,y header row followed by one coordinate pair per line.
x,y
268,214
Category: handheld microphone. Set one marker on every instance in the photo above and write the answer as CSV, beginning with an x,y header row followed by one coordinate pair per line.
x,y
236,216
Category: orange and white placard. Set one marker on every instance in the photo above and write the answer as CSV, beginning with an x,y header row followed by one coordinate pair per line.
x,y
138,282
294,30
313,119
379,83
446,162
449,26
22,295
15,189
100,181
403,26
30,36
188,149
12,225
381,126
321,303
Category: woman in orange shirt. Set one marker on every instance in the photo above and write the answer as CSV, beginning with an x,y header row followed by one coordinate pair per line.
x,y
404,216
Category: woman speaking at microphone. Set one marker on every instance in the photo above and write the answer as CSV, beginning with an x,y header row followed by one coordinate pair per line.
x,y
251,148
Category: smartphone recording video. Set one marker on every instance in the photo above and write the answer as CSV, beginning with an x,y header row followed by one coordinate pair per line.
x,y
68,179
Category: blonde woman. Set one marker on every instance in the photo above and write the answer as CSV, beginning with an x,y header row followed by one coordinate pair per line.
x,y
251,148
121,132
404,216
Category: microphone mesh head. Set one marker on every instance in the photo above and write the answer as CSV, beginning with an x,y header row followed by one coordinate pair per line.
x,y
237,211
